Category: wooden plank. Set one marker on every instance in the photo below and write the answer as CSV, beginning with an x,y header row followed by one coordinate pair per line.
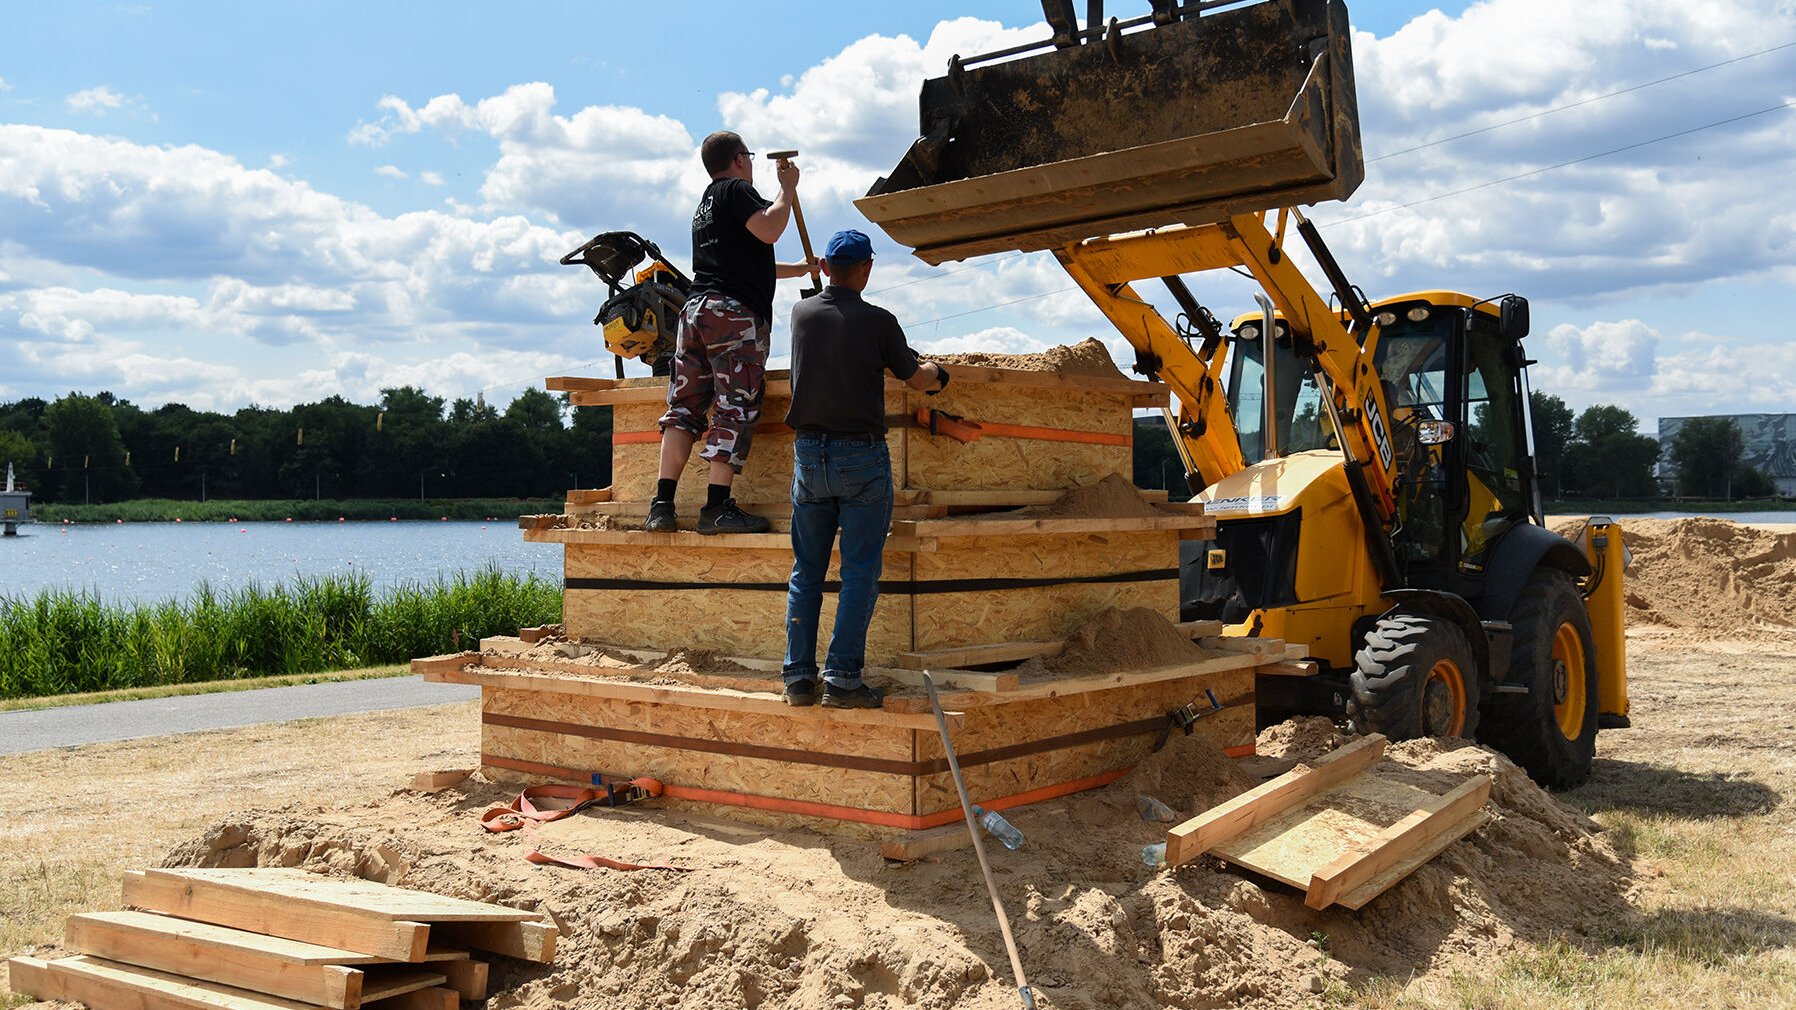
x,y
531,941
1272,648
978,655
573,383
436,782
1289,669
234,957
531,636
501,672
31,976
276,915
107,985
917,844
384,982
1393,846
1053,687
440,998
1187,841
966,680
688,539
466,976
998,525
430,665
1293,845
1199,629
1020,497
292,888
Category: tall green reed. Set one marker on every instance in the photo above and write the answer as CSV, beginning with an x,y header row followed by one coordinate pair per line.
x,y
63,641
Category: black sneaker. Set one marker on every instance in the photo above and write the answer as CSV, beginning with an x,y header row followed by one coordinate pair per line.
x,y
801,693
729,518
662,518
860,697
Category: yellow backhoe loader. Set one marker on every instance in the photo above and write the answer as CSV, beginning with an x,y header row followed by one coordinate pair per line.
x,y
1369,464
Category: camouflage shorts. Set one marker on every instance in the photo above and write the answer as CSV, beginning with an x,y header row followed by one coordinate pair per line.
x,y
719,372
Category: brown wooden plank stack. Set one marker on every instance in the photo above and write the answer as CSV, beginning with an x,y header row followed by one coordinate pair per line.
x,y
280,939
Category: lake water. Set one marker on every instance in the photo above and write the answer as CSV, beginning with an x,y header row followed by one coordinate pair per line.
x,y
159,561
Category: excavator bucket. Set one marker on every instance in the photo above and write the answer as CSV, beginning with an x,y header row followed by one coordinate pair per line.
x,y
1212,108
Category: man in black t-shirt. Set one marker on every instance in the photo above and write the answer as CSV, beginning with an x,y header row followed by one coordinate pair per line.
x,y
842,348
719,368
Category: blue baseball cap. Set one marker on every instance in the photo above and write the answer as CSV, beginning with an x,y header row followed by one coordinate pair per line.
x,y
847,247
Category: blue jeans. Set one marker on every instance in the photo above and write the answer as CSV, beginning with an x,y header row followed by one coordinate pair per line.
x,y
844,486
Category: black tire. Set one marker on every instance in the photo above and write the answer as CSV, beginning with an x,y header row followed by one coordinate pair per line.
x,y
1416,676
1551,730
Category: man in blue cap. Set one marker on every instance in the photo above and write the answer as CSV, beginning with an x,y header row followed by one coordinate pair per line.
x,y
842,348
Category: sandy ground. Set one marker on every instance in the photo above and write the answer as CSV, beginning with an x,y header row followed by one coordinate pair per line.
x,y
1680,888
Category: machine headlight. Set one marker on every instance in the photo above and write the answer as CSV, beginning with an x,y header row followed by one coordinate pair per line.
x,y
1417,315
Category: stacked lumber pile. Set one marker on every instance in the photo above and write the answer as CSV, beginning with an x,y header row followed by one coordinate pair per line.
x,y
280,939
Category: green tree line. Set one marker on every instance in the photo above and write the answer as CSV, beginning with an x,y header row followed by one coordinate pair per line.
x,y
101,448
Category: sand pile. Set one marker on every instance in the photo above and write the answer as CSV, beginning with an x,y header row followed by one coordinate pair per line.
x,y
1088,357
796,919
1114,640
1708,578
1114,497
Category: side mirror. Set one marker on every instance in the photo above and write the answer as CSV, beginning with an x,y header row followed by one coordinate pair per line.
x,y
1514,317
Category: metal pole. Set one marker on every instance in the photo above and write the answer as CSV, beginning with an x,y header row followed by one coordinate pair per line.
x,y
966,809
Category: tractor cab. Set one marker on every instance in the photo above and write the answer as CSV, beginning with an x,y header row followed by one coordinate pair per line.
x,y
1453,379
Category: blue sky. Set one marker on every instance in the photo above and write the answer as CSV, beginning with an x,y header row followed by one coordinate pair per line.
x,y
219,203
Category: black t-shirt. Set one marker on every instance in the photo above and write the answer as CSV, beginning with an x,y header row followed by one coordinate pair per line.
x,y
841,348
727,259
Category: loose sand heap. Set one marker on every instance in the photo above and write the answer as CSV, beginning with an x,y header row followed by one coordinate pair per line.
x,y
1116,640
1707,578
1114,497
1088,357
797,919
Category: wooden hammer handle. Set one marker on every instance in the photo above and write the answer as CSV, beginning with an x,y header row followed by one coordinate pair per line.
x,y
804,236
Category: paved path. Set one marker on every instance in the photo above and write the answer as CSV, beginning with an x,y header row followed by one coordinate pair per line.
x,y
74,725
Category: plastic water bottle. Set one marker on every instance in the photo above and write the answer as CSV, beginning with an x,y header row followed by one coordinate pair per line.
x,y
999,828
1155,854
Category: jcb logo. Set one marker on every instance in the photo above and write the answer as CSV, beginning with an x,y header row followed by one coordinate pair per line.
x,y
1375,421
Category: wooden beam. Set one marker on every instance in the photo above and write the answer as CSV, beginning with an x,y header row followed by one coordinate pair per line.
x,y
1288,669
1431,828
291,888
440,998
31,976
1199,629
350,929
436,782
966,680
532,941
1269,647
917,844
1051,687
430,665
978,655
998,525
306,972
466,976
516,674
106,985
1230,819
590,496
689,539
574,383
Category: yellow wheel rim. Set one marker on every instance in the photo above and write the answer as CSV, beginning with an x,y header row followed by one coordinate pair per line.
x,y
1568,672
1445,699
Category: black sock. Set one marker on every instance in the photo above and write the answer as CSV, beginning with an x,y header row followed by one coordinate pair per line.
x,y
664,488
716,494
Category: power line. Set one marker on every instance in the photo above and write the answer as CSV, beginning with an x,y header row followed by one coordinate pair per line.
x,y
949,273
997,305
1573,105
1566,164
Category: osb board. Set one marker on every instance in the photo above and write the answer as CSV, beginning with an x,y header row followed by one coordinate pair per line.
x,y
936,462
995,726
717,560
1294,845
740,622
802,734
866,790
953,620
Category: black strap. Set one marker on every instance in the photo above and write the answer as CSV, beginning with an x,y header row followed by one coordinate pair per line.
x,y
896,587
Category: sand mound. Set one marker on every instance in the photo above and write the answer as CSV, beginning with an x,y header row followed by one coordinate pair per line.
x,y
796,919
1710,578
1114,497
1088,357
1134,639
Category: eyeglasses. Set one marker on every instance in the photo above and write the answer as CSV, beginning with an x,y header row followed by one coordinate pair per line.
x,y
750,155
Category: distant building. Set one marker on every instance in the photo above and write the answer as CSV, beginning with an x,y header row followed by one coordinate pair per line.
x,y
1770,446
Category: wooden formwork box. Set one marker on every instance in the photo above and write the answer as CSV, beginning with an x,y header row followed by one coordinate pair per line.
x,y
1090,417
878,772
947,583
